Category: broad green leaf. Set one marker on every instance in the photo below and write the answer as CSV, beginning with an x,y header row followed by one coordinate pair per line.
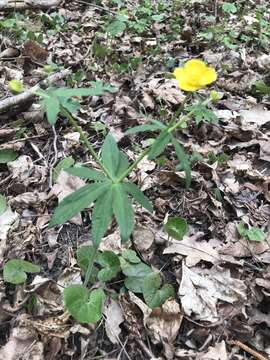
x,y
101,216
135,273
143,128
15,270
229,8
62,165
176,227
116,27
184,160
52,108
84,255
7,155
133,190
159,145
155,295
110,155
84,306
131,256
3,204
111,264
77,201
123,164
70,104
84,172
123,211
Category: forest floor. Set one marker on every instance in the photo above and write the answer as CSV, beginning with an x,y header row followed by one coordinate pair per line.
x,y
220,271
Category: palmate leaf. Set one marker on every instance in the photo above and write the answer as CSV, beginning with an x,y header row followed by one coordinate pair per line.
x,y
52,108
159,145
84,172
77,201
123,211
111,265
101,216
184,160
134,191
122,165
110,155
143,128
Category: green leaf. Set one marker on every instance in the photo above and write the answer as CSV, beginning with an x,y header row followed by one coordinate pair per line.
x,y
262,87
110,155
133,190
62,165
155,296
131,256
111,264
97,88
84,306
3,204
77,201
15,270
123,164
159,145
123,211
84,172
52,108
252,234
7,155
176,227
229,8
70,104
135,273
116,27
143,128
84,254
101,216
184,160
202,113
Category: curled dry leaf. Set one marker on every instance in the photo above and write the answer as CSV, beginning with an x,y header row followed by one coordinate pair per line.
x,y
200,291
114,318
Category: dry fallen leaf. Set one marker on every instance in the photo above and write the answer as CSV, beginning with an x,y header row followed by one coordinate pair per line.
x,y
114,318
7,219
254,118
217,352
194,250
200,291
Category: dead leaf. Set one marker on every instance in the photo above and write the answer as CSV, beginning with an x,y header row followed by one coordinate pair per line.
x,y
254,118
65,185
167,90
200,291
143,239
194,249
7,219
114,318
217,352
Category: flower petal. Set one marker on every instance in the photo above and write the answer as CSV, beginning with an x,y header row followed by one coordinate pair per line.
x,y
195,65
208,76
185,85
179,73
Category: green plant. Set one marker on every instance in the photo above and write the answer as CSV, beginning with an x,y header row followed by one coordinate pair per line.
x,y
176,227
15,270
110,192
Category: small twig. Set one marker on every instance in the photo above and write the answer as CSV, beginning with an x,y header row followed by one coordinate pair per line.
x,y
248,350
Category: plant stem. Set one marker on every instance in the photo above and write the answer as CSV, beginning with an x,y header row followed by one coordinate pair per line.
x,y
90,267
84,140
133,165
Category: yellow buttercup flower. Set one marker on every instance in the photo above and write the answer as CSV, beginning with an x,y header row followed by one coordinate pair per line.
x,y
194,75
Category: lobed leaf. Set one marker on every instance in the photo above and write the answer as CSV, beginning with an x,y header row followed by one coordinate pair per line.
x,y
15,270
155,295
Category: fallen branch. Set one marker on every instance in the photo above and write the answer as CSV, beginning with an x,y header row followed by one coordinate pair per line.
x,y
27,95
27,4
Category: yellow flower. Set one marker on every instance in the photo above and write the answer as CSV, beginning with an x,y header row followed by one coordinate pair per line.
x,y
194,75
